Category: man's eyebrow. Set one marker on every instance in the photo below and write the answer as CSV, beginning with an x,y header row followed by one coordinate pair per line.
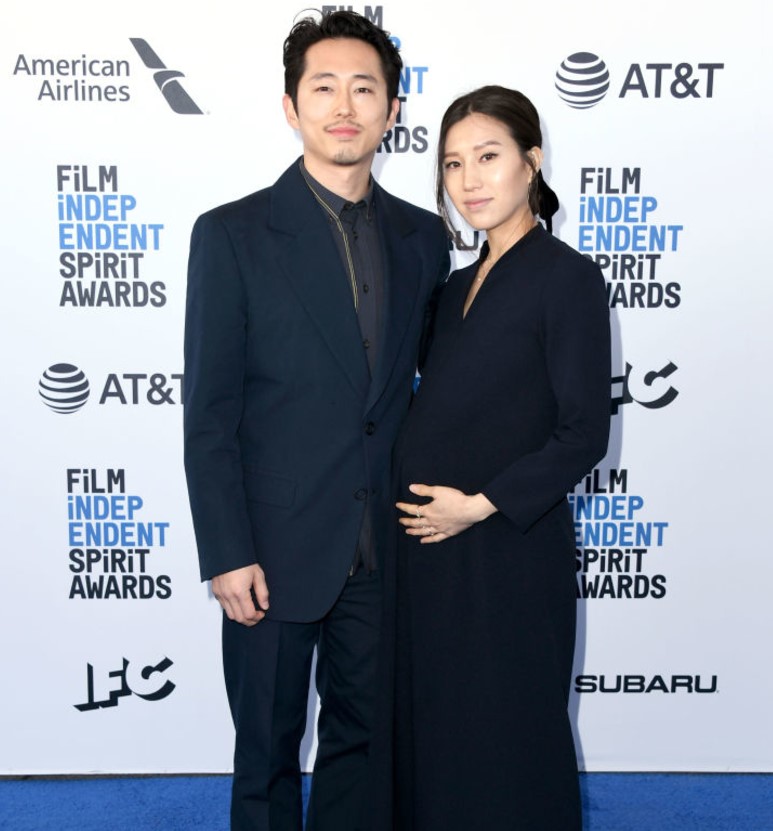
x,y
360,76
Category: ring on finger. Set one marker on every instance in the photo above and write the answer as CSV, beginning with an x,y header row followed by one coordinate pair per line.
x,y
418,513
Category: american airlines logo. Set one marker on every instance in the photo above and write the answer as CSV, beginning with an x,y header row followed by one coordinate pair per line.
x,y
166,80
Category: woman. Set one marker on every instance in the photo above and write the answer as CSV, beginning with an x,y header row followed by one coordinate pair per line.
x,y
512,411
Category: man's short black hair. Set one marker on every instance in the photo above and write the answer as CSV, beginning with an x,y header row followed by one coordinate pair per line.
x,y
344,24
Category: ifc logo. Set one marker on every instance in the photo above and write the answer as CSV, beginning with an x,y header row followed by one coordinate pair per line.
x,y
64,388
582,80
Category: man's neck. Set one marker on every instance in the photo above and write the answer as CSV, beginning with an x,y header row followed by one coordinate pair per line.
x,y
350,182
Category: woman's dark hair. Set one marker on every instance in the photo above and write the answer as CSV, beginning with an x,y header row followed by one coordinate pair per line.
x,y
307,32
518,114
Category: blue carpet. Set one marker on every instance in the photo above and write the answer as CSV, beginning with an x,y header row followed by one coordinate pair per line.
x,y
613,802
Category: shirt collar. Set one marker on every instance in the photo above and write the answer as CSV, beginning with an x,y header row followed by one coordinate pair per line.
x,y
335,203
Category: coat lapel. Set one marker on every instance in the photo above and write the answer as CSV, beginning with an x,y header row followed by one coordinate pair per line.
x,y
401,285
313,267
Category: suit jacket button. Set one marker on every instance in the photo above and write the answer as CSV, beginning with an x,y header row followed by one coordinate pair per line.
x,y
361,494
370,428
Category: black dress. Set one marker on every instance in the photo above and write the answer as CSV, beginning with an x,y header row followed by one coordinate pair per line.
x,y
514,403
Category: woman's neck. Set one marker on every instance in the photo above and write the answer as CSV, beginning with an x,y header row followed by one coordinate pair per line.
x,y
505,237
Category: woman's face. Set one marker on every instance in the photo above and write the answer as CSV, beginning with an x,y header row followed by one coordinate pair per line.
x,y
484,174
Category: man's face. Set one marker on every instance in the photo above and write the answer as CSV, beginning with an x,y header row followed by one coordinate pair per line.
x,y
342,109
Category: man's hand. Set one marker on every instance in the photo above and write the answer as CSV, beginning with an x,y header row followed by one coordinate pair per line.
x,y
449,513
232,590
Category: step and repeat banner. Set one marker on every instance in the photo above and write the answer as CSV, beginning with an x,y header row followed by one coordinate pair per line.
x,y
122,125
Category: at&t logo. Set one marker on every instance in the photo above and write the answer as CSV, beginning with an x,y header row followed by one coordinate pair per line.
x,y
583,80
64,388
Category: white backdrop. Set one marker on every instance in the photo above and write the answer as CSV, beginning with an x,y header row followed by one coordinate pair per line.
x,y
110,645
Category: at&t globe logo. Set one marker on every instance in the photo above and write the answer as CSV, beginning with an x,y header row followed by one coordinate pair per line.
x,y
64,388
582,80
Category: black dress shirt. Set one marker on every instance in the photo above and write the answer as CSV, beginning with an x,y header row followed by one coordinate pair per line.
x,y
355,232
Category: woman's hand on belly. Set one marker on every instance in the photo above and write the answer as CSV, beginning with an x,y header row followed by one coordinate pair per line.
x,y
449,512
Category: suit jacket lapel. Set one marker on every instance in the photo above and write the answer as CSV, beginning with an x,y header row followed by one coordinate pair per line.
x,y
313,267
401,286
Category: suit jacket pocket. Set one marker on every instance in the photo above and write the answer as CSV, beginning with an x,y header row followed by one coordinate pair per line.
x,y
261,486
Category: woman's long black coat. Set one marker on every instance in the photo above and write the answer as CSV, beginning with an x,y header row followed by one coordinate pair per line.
x,y
514,402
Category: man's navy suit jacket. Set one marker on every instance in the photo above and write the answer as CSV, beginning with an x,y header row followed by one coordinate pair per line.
x,y
286,434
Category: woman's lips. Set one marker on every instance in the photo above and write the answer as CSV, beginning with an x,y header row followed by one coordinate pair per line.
x,y
476,204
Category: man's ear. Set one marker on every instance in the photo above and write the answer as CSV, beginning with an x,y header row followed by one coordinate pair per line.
x,y
394,109
290,114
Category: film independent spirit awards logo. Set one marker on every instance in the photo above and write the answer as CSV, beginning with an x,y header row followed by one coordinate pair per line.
x,y
582,80
64,388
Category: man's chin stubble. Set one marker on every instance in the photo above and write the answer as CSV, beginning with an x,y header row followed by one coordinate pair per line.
x,y
345,159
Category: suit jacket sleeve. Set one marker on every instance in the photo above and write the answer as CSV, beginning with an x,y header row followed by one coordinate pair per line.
x,y
430,310
576,341
215,339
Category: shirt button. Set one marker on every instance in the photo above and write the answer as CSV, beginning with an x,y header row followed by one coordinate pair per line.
x,y
361,494
365,288
370,428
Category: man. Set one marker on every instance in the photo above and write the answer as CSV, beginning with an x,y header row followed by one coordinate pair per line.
x,y
306,305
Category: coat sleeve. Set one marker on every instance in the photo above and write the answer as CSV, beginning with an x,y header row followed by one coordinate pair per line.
x,y
215,341
576,339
